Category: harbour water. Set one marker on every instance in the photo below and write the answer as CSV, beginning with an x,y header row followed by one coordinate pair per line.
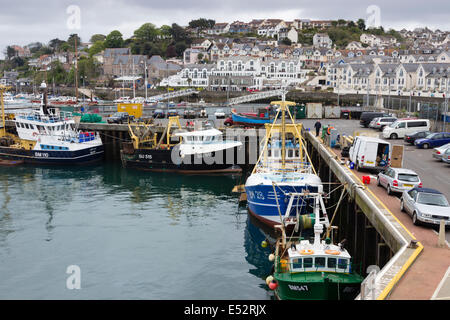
x,y
134,235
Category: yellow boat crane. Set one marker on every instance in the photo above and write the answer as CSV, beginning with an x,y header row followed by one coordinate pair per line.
x,y
142,134
3,89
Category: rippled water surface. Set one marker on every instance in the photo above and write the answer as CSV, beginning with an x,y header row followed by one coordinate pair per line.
x,y
134,235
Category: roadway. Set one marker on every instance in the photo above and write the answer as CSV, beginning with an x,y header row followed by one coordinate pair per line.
x,y
429,271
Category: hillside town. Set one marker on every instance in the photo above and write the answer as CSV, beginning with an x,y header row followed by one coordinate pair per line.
x,y
256,55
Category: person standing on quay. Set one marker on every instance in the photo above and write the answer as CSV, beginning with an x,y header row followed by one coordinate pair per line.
x,y
317,125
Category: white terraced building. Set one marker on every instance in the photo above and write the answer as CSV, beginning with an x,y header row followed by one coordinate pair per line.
x,y
426,79
237,73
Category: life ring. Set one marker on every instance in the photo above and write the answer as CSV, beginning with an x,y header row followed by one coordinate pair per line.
x,y
307,251
334,252
35,134
329,130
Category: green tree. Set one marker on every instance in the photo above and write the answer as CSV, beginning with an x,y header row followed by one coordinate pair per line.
x,y
114,40
147,32
71,41
10,52
361,24
97,47
165,32
55,44
97,37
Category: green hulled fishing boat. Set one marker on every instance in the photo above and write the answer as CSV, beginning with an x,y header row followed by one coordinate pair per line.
x,y
317,270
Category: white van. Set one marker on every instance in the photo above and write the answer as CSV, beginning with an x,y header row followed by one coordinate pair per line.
x,y
370,153
399,128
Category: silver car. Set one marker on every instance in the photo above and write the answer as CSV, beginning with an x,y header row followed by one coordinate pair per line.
x,y
398,180
372,123
446,156
439,151
380,123
426,206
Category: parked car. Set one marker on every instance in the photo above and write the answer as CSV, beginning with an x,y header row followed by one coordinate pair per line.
x,y
370,153
120,117
426,206
438,152
446,156
382,122
410,138
398,180
402,127
433,140
219,114
172,113
159,113
228,122
367,117
372,123
189,114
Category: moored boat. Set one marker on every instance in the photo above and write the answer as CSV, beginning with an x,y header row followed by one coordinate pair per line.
x,y
251,120
317,270
283,167
47,136
190,152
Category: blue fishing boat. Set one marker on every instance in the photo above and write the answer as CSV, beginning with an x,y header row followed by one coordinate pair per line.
x,y
283,168
251,120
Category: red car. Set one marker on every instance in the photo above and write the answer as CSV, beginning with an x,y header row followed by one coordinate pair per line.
x,y
228,122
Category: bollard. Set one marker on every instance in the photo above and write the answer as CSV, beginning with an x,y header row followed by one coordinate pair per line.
x,y
441,241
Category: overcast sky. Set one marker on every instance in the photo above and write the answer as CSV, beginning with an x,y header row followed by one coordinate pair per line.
x,y
26,21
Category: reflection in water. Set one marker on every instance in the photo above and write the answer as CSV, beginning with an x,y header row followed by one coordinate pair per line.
x,y
256,254
118,225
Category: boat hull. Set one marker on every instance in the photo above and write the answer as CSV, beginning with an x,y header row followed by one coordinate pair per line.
x,y
79,157
249,120
263,205
314,286
158,160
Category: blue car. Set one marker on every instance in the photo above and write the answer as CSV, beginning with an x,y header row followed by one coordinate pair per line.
x,y
433,140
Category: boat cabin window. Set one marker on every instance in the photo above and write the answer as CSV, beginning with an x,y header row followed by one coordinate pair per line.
x,y
308,262
297,263
320,262
342,263
290,153
276,153
269,153
26,126
297,153
331,263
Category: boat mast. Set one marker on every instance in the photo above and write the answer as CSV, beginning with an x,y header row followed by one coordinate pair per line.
x,y
76,69
283,130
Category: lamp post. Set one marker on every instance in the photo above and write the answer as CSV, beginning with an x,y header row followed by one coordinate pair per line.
x,y
444,124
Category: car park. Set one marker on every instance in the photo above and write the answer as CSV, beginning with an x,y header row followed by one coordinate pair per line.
x,y
426,205
398,180
159,113
433,140
402,127
438,152
119,117
410,138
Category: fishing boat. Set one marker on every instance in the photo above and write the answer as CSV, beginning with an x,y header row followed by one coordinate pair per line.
x,y
191,152
251,120
317,270
283,167
47,136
